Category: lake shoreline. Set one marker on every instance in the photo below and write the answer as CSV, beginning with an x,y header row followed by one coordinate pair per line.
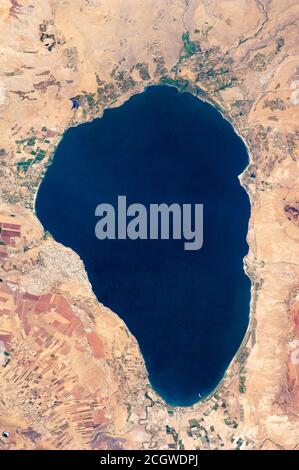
x,y
204,398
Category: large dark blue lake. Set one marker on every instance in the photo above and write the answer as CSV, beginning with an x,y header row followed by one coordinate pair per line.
x,y
189,310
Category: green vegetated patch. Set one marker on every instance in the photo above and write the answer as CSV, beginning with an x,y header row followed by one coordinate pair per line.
x,y
211,68
142,68
31,149
242,386
39,155
181,85
190,47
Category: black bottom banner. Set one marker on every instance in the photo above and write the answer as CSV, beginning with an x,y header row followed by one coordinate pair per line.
x,y
146,459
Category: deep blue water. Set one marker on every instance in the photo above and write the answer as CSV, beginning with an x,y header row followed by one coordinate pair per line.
x,y
189,310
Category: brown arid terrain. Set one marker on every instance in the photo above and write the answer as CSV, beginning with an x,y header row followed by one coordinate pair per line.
x,y
71,374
